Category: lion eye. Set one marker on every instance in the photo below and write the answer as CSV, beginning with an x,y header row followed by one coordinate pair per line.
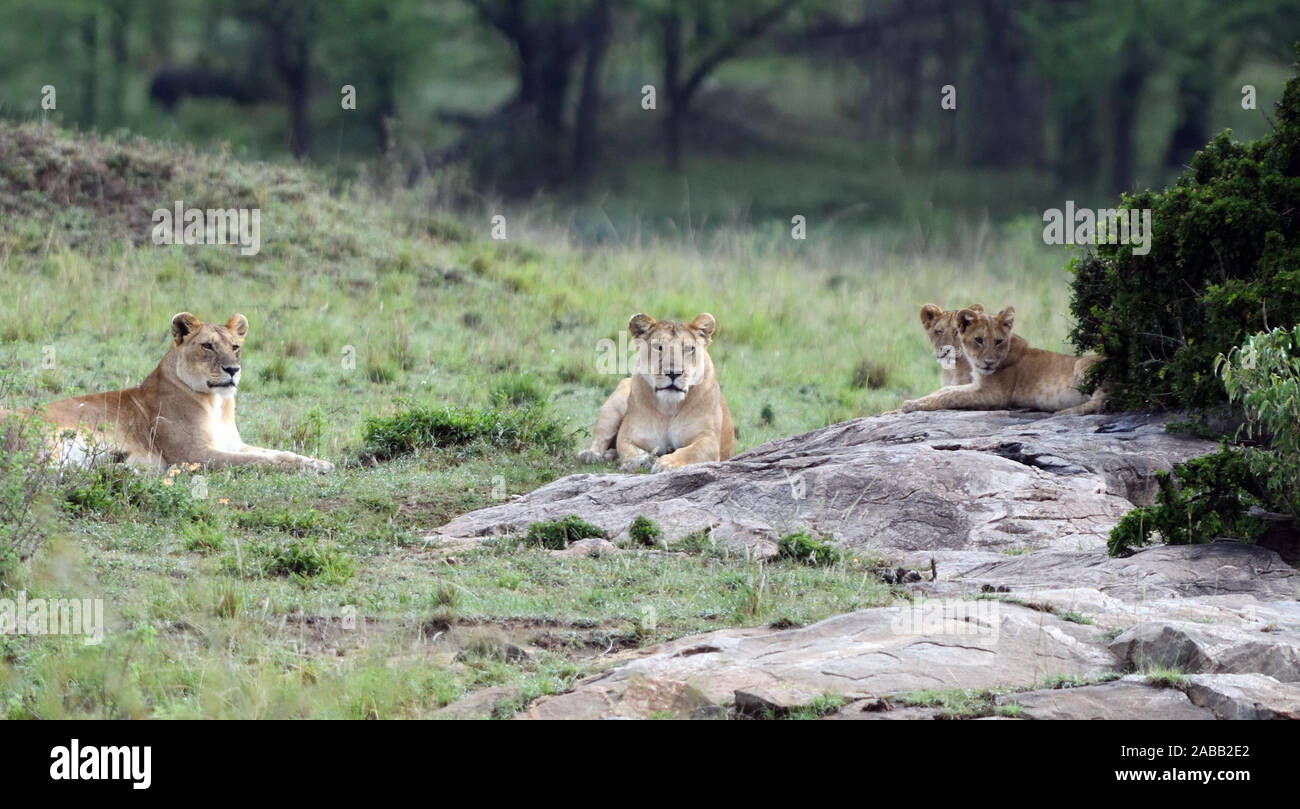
x,y
979,341
236,349
209,347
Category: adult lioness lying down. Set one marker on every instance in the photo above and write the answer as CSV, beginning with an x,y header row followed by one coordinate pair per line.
x,y
183,412
1008,372
670,411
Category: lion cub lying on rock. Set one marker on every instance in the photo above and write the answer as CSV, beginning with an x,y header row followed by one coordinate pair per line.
x,y
671,408
1009,373
183,412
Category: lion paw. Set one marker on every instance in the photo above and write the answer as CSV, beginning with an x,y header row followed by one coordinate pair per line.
x,y
594,456
295,461
636,463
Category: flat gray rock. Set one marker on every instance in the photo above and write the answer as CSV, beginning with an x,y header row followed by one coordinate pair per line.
x,y
876,652
1214,648
1127,698
1161,571
1245,696
940,481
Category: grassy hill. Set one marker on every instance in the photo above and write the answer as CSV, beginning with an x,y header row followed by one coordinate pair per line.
x,y
229,595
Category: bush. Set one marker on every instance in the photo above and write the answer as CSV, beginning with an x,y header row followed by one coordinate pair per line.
x,y
25,497
644,531
557,534
803,548
119,491
1224,263
305,559
435,428
1241,492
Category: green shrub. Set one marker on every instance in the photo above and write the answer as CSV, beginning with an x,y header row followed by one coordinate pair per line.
x,y
803,548
120,491
1213,496
1224,263
519,390
25,497
557,534
421,427
307,559
644,531
1263,378
1205,498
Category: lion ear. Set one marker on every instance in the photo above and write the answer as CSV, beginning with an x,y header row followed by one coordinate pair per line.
x,y
184,324
976,307
928,313
965,318
1007,317
238,324
640,324
704,325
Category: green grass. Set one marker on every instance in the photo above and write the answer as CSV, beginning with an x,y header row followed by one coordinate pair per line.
x,y
442,372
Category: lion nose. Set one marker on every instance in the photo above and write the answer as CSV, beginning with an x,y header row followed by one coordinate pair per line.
x,y
231,369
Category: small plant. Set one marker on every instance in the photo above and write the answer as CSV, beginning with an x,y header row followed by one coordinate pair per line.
x,y
644,531
1165,677
870,374
203,537
824,705
803,548
519,390
303,560
437,428
119,491
557,534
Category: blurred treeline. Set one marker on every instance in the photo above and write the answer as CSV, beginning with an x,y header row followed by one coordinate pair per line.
x,y
1053,96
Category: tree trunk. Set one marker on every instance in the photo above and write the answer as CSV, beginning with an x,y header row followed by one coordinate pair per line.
x,y
672,41
90,77
586,134
119,17
1192,131
1125,96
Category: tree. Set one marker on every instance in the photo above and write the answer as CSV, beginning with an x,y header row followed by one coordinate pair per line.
x,y
696,38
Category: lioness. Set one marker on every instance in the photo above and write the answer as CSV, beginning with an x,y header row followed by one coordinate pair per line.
x,y
941,328
1008,372
671,406
184,412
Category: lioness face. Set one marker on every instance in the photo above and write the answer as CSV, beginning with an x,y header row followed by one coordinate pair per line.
x,y
986,339
941,328
208,354
671,357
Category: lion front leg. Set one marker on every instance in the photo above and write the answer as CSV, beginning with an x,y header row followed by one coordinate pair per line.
x,y
702,450
605,434
955,397
258,456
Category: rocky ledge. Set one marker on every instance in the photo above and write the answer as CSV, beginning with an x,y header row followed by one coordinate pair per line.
x,y
1014,508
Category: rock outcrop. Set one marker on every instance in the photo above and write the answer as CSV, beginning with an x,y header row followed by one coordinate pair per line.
x,y
947,481
1014,509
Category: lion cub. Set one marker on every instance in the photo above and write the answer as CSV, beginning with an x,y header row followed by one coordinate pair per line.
x,y
941,328
1009,373
183,412
670,411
